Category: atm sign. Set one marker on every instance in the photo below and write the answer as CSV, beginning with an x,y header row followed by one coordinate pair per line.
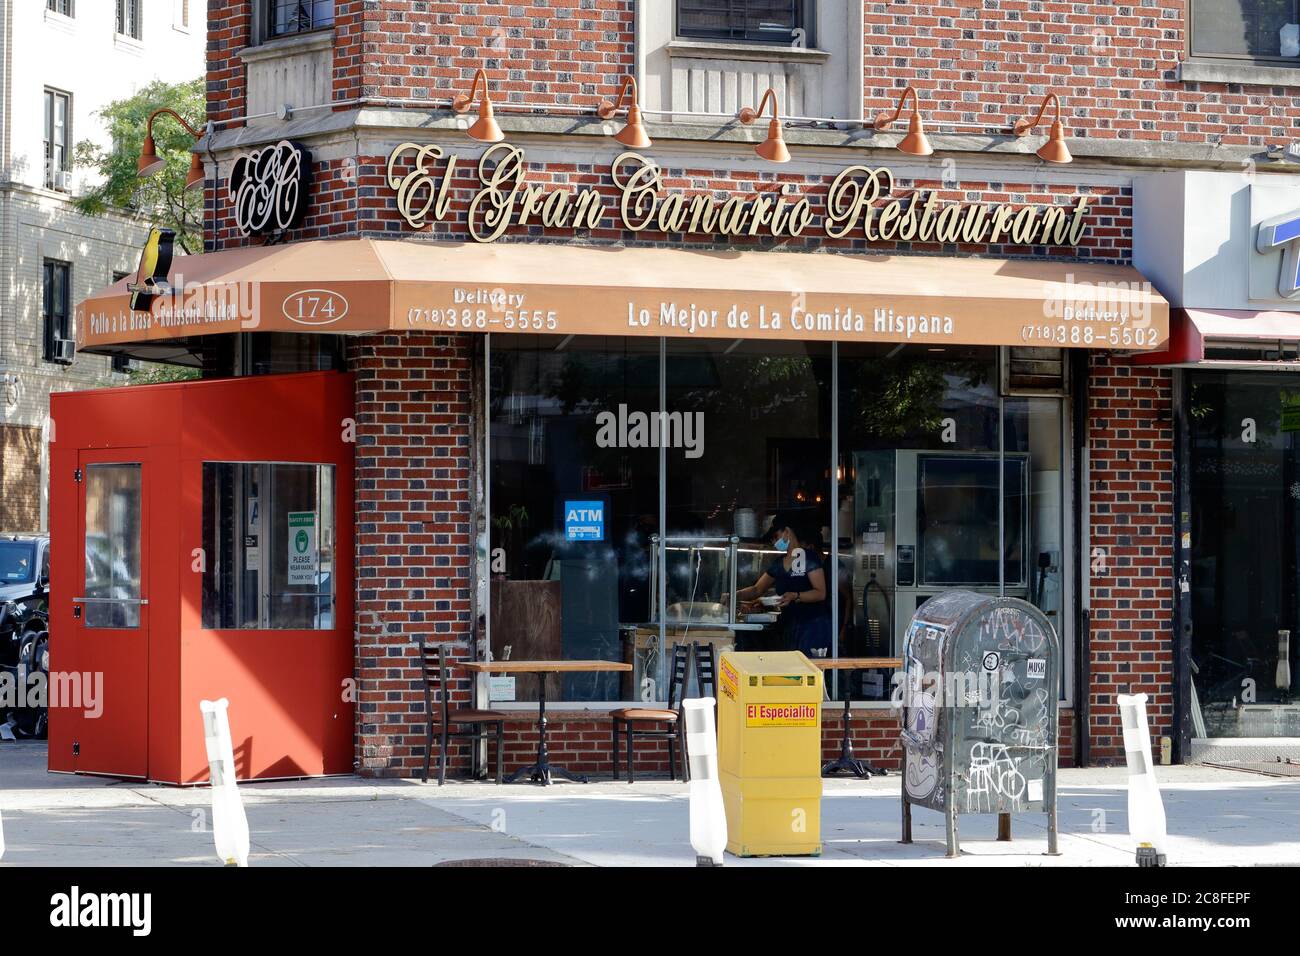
x,y
781,715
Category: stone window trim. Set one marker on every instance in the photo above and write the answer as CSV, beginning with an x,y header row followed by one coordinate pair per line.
x,y
288,45
1200,69
722,50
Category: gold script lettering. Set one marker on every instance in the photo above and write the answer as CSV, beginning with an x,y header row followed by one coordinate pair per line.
x,y
417,191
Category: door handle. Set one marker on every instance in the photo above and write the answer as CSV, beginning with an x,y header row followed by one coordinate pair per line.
x,y
91,600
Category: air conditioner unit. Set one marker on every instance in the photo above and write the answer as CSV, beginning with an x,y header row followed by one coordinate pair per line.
x,y
65,350
61,179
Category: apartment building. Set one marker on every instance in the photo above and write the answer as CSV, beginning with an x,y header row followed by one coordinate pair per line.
x,y
61,61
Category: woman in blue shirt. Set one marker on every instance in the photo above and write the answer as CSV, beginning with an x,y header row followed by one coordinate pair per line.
x,y
798,575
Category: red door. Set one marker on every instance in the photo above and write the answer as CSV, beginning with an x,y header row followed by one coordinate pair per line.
x,y
110,614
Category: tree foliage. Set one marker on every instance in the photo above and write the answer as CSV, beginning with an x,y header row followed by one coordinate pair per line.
x,y
154,373
161,198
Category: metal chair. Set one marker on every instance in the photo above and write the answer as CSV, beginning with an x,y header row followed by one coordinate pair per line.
x,y
666,722
433,661
705,657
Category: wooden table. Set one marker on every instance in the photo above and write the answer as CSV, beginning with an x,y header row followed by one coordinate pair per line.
x,y
540,771
846,760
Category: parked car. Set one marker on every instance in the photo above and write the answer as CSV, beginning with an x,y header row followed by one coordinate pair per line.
x,y
24,565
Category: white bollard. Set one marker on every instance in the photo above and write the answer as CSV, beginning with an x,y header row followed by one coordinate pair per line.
x,y
229,824
708,818
1146,811
1283,676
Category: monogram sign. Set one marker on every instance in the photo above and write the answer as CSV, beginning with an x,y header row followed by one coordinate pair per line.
x,y
268,188
859,202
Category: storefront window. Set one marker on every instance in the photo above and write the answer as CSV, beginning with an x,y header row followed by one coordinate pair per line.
x,y
268,530
574,503
903,468
755,448
1245,551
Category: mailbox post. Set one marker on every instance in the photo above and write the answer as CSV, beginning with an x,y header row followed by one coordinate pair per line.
x,y
980,708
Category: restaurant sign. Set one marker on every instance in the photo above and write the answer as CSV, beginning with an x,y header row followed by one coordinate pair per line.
x,y
859,202
268,188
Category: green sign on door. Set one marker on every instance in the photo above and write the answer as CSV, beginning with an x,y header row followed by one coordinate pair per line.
x,y
302,549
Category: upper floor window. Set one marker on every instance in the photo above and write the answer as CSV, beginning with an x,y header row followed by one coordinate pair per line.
x,y
128,18
64,7
1265,30
58,157
284,17
746,21
56,311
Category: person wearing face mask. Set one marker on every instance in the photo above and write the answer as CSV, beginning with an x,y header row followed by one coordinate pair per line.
x,y
798,575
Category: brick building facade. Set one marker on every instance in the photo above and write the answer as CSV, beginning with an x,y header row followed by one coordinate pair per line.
x,y
1134,99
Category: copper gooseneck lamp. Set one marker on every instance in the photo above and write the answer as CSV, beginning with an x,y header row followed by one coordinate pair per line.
x,y
150,162
485,128
773,148
915,142
1054,150
632,135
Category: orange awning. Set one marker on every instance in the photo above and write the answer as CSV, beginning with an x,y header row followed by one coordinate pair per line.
x,y
370,285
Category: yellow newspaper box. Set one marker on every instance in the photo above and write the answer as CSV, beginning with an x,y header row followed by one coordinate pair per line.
x,y
769,753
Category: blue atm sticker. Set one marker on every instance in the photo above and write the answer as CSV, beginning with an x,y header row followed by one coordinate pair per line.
x,y
584,521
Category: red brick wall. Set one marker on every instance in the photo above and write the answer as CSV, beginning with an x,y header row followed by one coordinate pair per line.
x,y
229,26
975,63
556,52
413,537
1132,495
985,63
580,741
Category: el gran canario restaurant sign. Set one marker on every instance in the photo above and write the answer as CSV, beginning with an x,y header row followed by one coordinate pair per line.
x,y
857,203
370,285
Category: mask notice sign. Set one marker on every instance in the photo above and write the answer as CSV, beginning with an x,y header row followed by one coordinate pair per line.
x,y
584,521
302,549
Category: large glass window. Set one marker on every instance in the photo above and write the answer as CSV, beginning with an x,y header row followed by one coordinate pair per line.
x,y
268,530
56,311
284,17
573,504
128,18
760,21
1250,29
58,138
640,488
1245,552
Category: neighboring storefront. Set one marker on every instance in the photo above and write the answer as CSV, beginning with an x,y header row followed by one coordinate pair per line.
x,y
1224,249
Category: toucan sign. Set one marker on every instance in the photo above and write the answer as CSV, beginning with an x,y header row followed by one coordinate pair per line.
x,y
860,201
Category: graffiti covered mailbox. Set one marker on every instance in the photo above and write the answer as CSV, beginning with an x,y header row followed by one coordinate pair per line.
x,y
980,698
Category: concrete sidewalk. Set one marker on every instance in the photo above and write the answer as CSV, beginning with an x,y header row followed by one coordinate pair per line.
x,y
1216,818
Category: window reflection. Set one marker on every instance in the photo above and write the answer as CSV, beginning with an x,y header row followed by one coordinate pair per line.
x,y
930,480
269,552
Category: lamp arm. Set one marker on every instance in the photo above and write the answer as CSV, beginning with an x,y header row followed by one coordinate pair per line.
x,y
884,120
461,101
606,109
762,104
1023,127
148,129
